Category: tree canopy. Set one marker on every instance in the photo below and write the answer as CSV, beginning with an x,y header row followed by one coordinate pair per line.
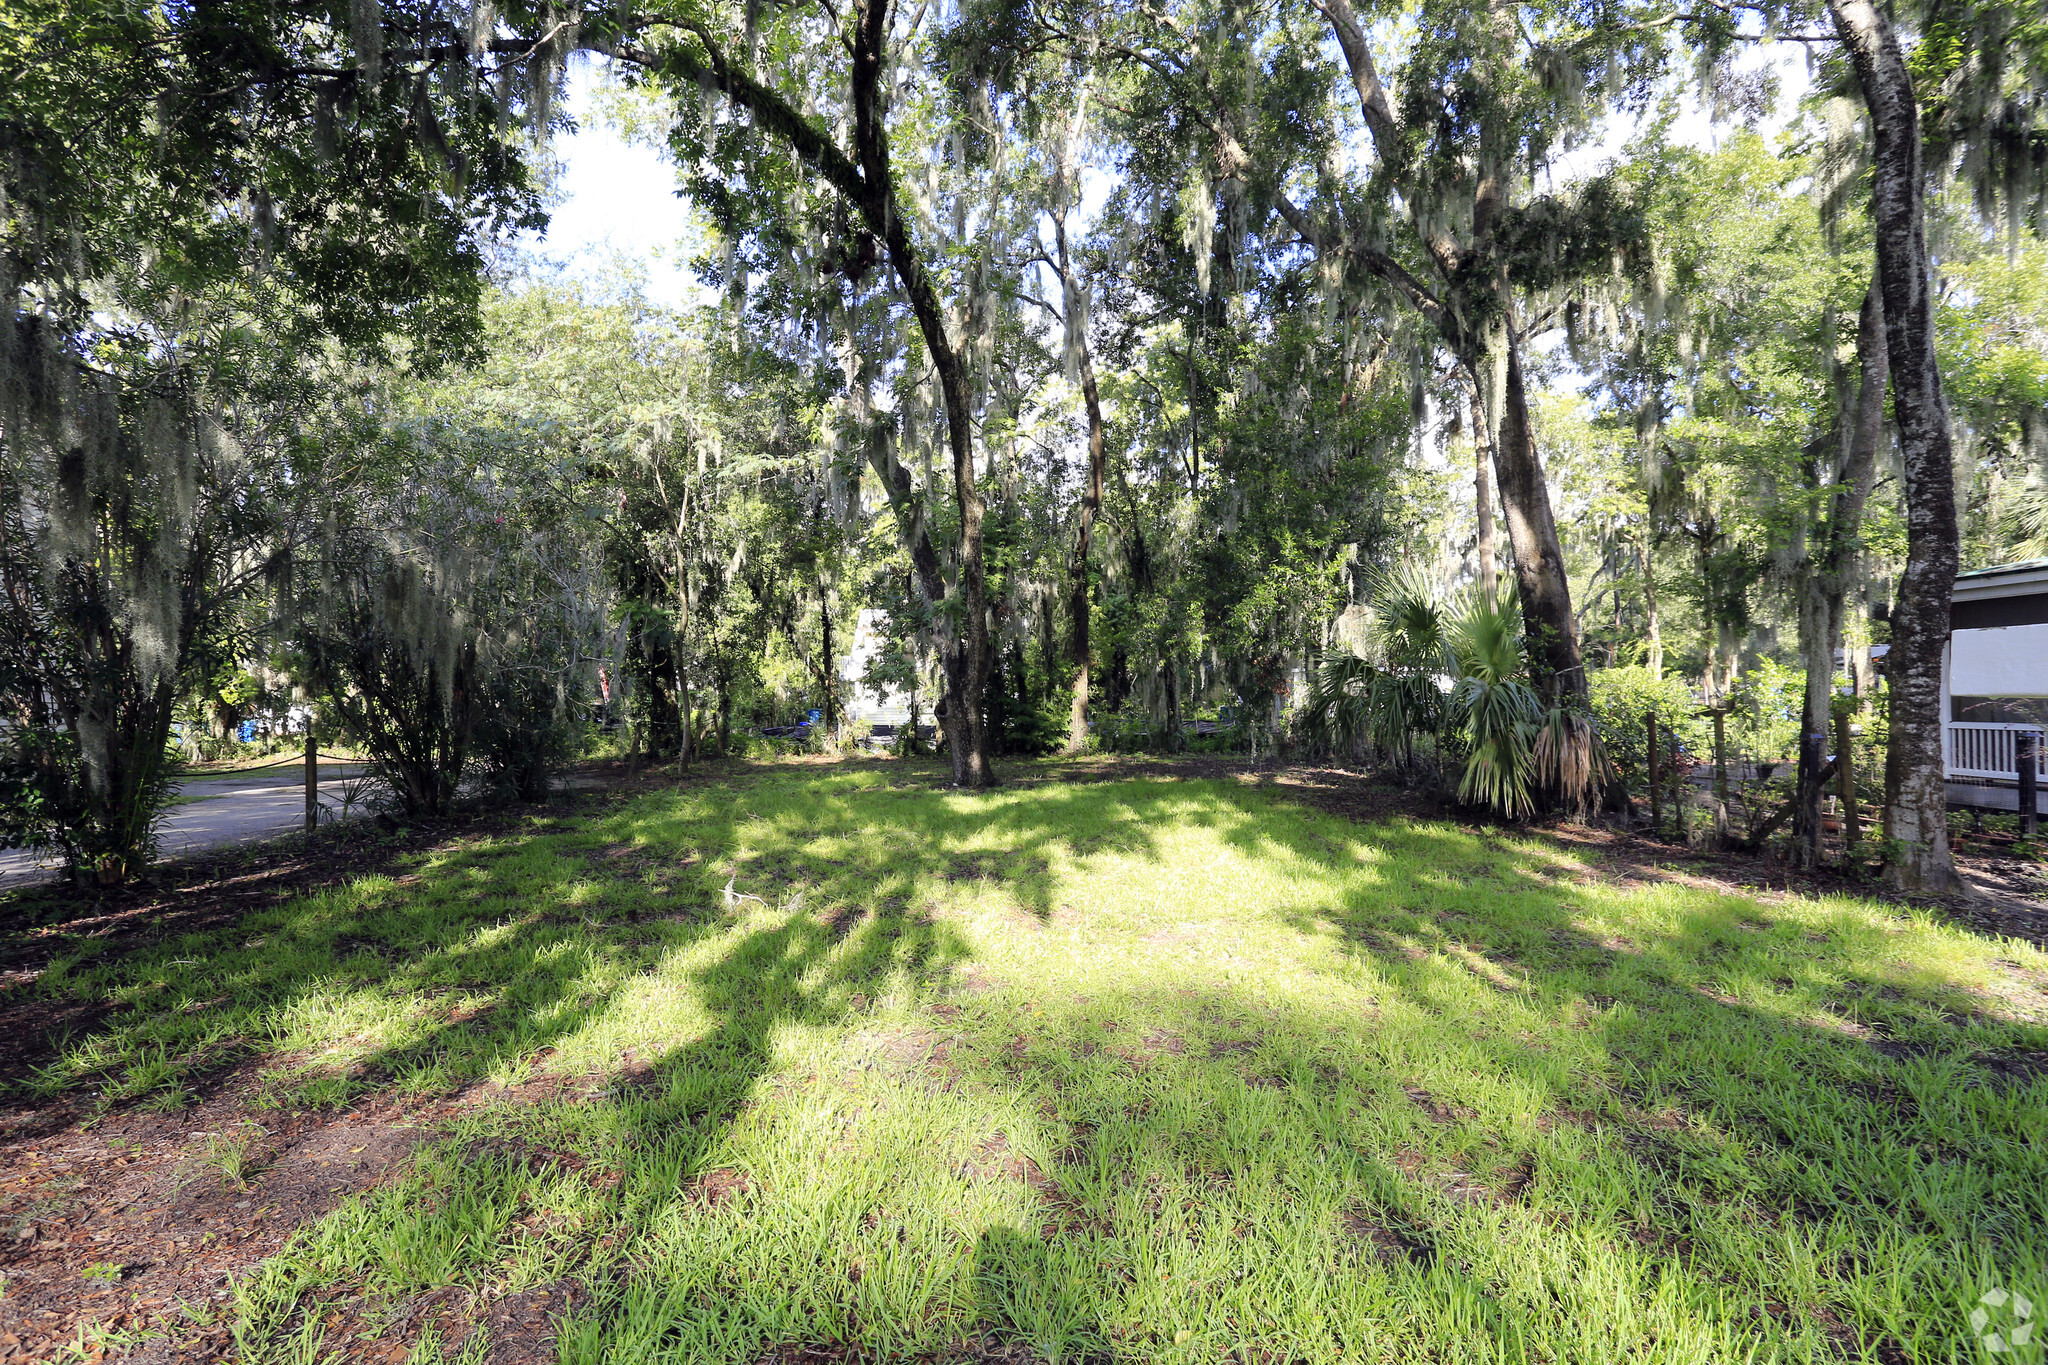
x,y
1118,374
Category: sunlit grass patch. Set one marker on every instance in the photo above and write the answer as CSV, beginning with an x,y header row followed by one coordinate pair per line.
x,y
1145,1070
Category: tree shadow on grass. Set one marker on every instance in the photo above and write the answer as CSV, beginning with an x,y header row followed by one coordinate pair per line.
x,y
1456,1046
1435,1157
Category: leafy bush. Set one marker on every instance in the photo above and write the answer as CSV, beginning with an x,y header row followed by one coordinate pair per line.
x,y
1038,729
1763,713
1390,696
1516,750
1622,697
525,733
389,653
50,803
1495,709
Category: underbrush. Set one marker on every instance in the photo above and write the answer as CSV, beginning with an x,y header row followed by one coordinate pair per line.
x,y
1146,1070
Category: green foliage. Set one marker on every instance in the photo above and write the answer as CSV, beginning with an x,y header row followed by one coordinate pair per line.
x,y
1764,707
257,144
202,209
1497,712
525,731
1036,729
1387,700
407,696
1623,697
1517,752
1342,1092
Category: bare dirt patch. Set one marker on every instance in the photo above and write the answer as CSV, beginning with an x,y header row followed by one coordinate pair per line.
x,y
1438,1110
2009,899
2013,1067
907,1054
982,1349
126,1226
719,1186
1383,1238
522,1325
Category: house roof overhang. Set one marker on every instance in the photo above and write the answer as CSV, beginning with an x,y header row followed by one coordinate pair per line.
x,y
2026,579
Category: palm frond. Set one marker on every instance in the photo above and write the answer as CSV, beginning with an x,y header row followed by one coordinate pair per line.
x,y
1335,709
1408,619
2027,521
1496,710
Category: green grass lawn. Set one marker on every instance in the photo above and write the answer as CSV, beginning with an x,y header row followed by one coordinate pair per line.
x,y
1145,1070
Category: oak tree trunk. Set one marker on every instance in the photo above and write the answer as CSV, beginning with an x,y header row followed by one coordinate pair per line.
x,y
868,184
1917,805
1091,506
1824,587
1532,533
966,662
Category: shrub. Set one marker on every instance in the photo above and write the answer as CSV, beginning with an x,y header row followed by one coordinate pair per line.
x,y
525,733
1622,697
1037,729
1764,709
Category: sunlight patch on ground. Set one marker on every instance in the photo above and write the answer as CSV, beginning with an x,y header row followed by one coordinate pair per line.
x,y
1152,1070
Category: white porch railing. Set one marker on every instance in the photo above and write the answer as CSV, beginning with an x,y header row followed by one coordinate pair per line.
x,y
1983,750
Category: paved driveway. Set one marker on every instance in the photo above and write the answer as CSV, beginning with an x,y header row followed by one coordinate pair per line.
x,y
235,808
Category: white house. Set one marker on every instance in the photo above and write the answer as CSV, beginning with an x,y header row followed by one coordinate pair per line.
x,y
1994,680
875,706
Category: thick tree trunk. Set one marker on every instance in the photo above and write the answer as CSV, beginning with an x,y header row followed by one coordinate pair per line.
x,y
868,183
1918,805
1824,587
1091,507
1532,533
967,663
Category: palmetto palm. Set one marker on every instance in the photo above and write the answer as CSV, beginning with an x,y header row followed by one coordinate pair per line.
x,y
1516,747
1496,711
1388,698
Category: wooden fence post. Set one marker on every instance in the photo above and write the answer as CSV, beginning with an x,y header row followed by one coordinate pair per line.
x,y
312,779
1721,756
2028,744
1656,788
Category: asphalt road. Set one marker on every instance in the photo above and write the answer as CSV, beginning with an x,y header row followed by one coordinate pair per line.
x,y
235,808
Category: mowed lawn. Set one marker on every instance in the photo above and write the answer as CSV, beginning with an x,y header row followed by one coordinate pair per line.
x,y
1142,1070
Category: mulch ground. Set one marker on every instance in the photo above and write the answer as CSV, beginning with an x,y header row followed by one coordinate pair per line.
x,y
119,1240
